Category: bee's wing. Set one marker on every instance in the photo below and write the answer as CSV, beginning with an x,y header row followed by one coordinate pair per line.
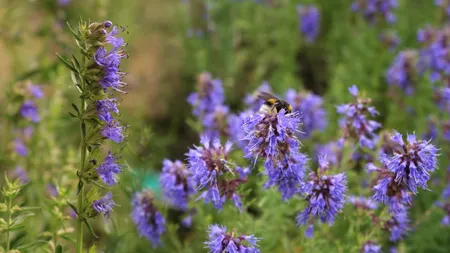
x,y
266,96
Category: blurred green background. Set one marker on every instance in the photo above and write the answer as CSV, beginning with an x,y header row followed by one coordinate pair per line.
x,y
242,43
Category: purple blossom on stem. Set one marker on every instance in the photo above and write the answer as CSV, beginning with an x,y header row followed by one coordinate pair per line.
x,y
271,136
363,202
355,122
220,241
311,108
331,150
35,90
374,10
402,71
20,147
397,228
21,174
216,122
209,95
309,18
176,183
109,170
148,220
113,131
236,130
211,169
326,197
29,111
104,205
105,107
370,247
390,40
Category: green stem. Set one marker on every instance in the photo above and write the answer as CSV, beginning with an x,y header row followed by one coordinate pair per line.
x,y
83,161
8,239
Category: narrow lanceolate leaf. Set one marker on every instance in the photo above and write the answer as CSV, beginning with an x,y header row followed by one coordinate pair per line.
x,y
77,37
32,245
76,108
90,228
15,228
58,249
73,207
68,65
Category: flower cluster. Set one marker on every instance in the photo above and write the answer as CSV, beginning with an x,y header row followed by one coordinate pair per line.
x,y
434,54
390,40
403,71
149,221
104,205
374,10
176,183
109,169
309,18
363,203
445,205
221,241
370,247
325,195
311,108
331,150
444,5
208,105
355,122
398,227
271,136
213,172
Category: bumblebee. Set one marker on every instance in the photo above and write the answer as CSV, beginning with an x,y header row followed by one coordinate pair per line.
x,y
273,104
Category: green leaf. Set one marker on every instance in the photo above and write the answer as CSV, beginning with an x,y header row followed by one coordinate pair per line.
x,y
15,228
68,238
77,37
76,62
73,115
68,65
58,249
83,129
73,207
90,228
76,108
32,245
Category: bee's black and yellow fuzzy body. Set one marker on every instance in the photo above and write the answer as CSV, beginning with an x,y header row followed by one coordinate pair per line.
x,y
273,104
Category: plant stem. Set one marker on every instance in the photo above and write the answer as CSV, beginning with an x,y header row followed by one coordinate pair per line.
x,y
83,161
8,239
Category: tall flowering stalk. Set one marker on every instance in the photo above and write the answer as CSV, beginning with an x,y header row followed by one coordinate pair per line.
x,y
220,241
355,120
376,10
272,137
325,195
308,19
214,174
97,77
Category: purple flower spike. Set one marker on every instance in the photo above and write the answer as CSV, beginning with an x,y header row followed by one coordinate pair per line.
x,y
363,203
309,18
373,10
355,122
109,170
20,147
370,247
212,172
29,111
148,220
209,95
113,131
105,107
220,241
402,71
325,196
412,162
104,205
312,112
176,183
271,136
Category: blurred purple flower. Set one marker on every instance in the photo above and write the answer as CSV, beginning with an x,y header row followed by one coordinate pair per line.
x,y
20,147
370,247
271,136
176,183
363,202
390,40
397,228
373,10
355,122
312,112
220,241
209,95
21,174
148,220
402,71
309,18
29,111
